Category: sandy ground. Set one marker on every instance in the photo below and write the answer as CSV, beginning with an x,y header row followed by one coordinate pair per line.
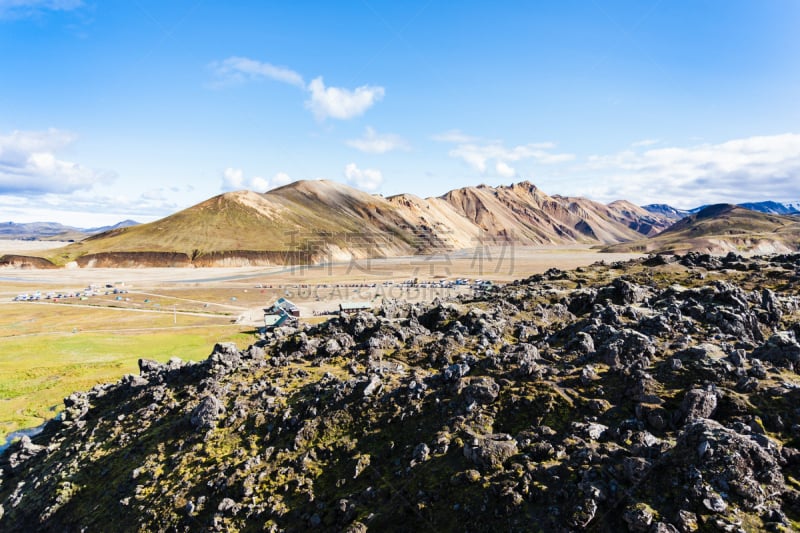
x,y
498,264
316,289
19,247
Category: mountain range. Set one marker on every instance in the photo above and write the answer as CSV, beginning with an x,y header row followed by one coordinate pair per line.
x,y
325,221
53,231
322,220
774,208
769,207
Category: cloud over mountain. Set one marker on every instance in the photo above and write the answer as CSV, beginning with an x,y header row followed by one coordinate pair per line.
x,y
368,179
233,179
748,169
478,153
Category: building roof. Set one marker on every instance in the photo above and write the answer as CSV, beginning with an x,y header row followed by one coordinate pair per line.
x,y
273,321
283,303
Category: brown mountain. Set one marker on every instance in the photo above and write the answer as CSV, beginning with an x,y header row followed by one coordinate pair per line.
x,y
324,220
720,229
523,213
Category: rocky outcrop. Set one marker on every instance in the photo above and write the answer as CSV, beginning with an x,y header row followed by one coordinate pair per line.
x,y
205,415
490,450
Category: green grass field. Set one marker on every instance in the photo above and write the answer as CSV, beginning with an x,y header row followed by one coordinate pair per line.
x,y
42,360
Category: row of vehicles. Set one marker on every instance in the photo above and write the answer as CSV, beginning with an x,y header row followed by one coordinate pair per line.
x,y
91,290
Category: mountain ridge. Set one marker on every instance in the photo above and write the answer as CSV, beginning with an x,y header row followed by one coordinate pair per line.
x,y
327,221
322,221
768,207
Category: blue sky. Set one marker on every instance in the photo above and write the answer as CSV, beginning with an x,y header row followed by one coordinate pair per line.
x,y
136,109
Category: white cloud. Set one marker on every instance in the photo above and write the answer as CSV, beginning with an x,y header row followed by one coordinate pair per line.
x,y
739,170
454,136
505,170
29,165
280,179
645,142
479,154
153,202
240,69
27,8
35,141
378,143
368,179
86,209
259,184
340,103
325,102
233,179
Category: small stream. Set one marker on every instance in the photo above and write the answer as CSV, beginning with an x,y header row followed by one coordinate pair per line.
x,y
20,433
30,432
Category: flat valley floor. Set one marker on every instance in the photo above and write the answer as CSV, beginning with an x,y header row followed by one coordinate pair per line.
x,y
315,289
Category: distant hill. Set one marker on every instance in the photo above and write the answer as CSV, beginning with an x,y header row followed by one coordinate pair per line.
x,y
312,221
723,228
667,211
38,231
53,231
124,224
775,208
769,207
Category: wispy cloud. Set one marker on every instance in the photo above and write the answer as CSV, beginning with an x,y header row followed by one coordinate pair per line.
x,y
368,179
753,168
16,9
323,101
479,153
235,70
454,136
29,165
645,142
378,143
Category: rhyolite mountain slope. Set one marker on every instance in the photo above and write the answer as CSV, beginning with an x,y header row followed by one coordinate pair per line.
x,y
314,221
656,395
720,229
524,213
